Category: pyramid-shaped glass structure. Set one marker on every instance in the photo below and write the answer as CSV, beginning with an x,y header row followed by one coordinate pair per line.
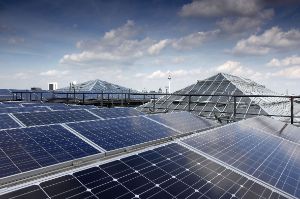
x,y
99,86
222,106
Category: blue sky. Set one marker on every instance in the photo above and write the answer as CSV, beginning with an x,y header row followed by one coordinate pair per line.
x,y
138,43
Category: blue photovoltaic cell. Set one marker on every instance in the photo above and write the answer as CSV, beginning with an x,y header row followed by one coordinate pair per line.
x,y
275,127
123,132
23,109
7,122
8,105
26,149
168,172
54,117
183,121
116,112
269,158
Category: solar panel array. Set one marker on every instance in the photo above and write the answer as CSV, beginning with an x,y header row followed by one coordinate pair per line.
x,y
123,132
233,161
171,171
116,112
183,121
269,158
27,149
54,117
7,122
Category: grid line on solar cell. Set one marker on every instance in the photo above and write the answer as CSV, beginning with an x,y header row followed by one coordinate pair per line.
x,y
182,121
54,117
6,122
26,149
261,155
170,171
107,113
123,132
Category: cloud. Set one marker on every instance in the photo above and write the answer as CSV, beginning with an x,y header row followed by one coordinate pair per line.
x,y
271,39
243,24
193,40
121,46
217,8
156,48
51,73
288,61
115,45
16,40
236,68
180,73
289,73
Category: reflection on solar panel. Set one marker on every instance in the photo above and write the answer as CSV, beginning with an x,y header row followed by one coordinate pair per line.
x,y
275,127
27,149
116,112
269,158
183,121
23,109
170,171
55,117
123,132
7,122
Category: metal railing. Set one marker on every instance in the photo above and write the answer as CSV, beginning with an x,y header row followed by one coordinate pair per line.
x,y
153,99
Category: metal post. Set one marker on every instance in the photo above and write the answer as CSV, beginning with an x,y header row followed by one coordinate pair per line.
x,y
102,99
83,96
41,96
234,108
189,103
21,96
30,97
153,102
67,98
292,110
128,97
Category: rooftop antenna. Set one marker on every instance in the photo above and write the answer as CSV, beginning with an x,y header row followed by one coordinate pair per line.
x,y
169,78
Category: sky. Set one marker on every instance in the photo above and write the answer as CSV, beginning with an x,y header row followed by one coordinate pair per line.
x,y
137,44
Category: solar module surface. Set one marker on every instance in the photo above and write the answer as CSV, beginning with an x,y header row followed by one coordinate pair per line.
x,y
54,117
26,149
269,158
275,127
23,109
7,122
122,132
183,121
107,113
170,171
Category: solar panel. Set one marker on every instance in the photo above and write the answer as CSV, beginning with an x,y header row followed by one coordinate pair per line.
x,y
23,109
7,105
54,117
269,158
122,132
7,122
26,149
116,112
183,121
171,171
275,127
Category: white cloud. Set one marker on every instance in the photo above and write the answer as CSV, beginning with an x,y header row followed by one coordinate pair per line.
x,y
193,40
236,68
217,8
288,61
180,73
116,45
271,39
51,73
121,46
178,60
156,48
289,73
242,24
